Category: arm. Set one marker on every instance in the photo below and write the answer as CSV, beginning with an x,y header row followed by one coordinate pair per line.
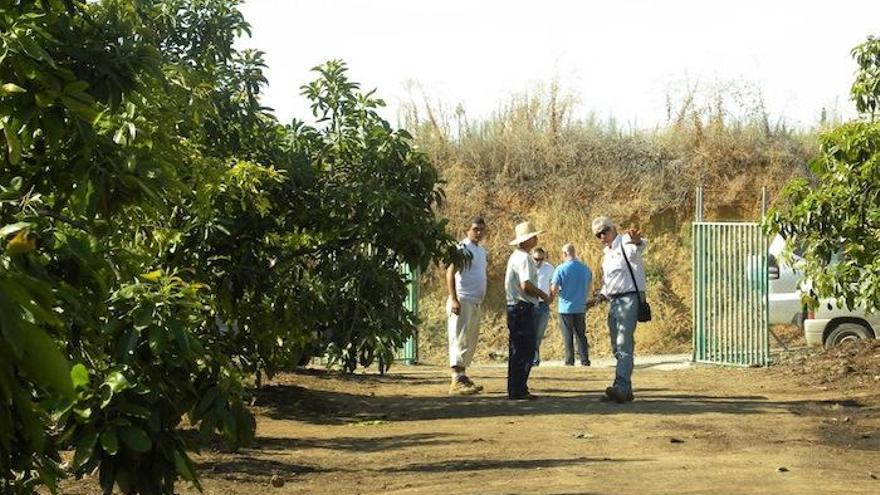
x,y
636,244
597,299
450,287
598,295
533,291
589,285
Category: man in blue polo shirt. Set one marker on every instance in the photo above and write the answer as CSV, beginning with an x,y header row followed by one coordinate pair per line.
x,y
571,282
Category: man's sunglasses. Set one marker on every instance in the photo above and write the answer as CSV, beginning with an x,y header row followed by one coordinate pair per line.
x,y
602,232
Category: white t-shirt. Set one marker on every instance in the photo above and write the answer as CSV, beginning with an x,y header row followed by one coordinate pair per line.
x,y
615,274
520,267
470,282
545,273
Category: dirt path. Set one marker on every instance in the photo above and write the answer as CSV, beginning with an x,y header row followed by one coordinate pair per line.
x,y
689,431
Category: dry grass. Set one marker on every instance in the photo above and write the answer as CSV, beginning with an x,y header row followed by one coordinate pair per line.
x,y
533,161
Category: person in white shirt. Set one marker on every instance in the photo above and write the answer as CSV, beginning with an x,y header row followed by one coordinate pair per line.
x,y
542,312
623,285
523,295
467,289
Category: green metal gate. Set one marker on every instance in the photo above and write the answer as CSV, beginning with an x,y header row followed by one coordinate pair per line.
x,y
730,293
409,353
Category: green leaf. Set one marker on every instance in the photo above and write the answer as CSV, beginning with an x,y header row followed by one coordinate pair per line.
x,y
134,410
43,362
230,427
85,447
12,228
79,375
75,87
182,466
247,425
110,442
117,382
30,421
10,326
44,100
86,112
127,344
207,401
33,49
10,88
180,336
157,340
142,317
113,384
152,276
135,439
12,145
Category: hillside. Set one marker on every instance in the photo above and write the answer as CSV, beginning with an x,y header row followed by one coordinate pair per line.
x,y
534,161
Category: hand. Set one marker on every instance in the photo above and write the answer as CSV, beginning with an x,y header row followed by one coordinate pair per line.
x,y
455,308
635,236
598,298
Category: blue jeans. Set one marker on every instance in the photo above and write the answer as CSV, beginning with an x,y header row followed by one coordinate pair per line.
x,y
622,318
574,327
521,326
542,317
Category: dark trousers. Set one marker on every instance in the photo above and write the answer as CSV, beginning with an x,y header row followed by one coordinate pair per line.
x,y
522,327
573,327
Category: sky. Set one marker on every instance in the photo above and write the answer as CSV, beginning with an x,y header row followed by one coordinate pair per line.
x,y
618,59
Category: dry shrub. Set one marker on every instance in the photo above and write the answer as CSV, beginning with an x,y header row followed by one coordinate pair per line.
x,y
532,161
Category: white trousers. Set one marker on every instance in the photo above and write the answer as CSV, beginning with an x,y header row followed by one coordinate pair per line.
x,y
464,331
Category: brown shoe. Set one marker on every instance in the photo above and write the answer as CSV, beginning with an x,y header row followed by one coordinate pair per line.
x,y
470,382
461,387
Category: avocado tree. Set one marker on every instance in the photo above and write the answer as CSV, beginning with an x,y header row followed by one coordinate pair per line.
x,y
106,346
163,236
835,217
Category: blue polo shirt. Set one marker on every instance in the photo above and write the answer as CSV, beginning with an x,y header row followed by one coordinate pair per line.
x,y
572,278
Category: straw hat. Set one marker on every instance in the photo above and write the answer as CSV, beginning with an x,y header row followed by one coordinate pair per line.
x,y
524,231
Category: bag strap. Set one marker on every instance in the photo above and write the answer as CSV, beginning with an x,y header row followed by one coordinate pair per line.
x,y
631,274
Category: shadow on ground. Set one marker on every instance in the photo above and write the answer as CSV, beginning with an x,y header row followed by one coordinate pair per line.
x,y
331,407
493,464
357,444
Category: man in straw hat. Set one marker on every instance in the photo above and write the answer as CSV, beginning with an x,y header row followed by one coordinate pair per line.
x,y
523,294
623,272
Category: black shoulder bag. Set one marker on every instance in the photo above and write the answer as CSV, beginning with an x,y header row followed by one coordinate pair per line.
x,y
644,307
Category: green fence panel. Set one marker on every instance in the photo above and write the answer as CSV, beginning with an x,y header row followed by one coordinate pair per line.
x,y
730,287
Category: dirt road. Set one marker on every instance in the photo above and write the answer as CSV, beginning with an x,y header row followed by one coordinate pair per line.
x,y
691,430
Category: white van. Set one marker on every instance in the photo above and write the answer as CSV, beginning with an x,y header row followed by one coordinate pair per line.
x,y
827,325
785,304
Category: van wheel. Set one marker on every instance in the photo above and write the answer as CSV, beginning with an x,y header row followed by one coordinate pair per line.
x,y
845,332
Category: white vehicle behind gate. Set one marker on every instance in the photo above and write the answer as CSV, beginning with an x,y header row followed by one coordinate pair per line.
x,y
827,325
786,307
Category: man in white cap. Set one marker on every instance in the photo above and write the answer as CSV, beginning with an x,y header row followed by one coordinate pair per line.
x,y
467,288
623,277
523,294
